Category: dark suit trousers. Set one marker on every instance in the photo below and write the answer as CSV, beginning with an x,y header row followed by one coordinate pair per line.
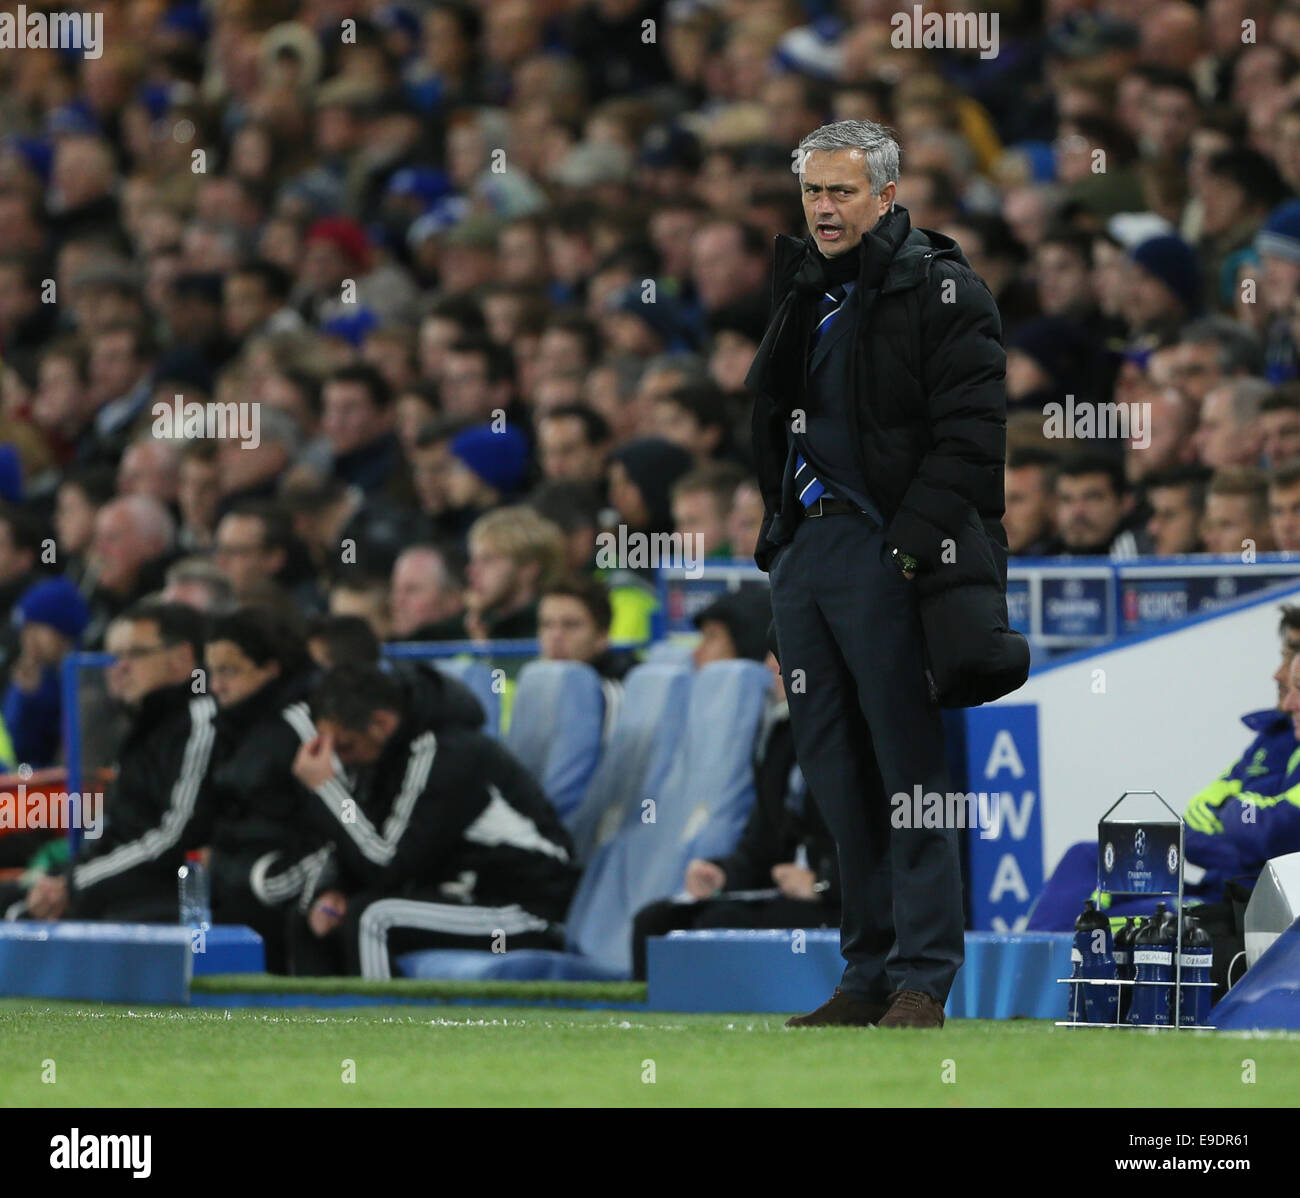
x,y
853,661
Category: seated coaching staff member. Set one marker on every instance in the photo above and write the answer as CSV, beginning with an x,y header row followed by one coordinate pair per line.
x,y
441,838
879,435
158,806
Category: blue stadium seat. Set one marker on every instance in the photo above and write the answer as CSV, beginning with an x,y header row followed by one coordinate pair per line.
x,y
478,677
638,753
671,650
699,810
556,728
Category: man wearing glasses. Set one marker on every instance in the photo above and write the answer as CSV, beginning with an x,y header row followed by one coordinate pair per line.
x,y
156,807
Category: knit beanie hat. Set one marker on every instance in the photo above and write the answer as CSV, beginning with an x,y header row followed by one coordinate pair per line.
x,y
1280,235
56,602
664,315
1171,260
499,459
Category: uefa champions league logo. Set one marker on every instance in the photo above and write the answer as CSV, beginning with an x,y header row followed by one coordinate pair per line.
x,y
1140,842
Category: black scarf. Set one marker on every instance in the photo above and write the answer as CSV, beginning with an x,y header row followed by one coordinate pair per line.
x,y
779,368
818,274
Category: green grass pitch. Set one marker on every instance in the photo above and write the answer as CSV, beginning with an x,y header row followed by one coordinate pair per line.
x,y
458,1055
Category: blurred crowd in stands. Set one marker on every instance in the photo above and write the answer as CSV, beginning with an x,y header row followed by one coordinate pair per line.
x,y
383,312
389,309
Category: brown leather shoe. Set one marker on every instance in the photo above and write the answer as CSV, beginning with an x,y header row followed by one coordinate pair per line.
x,y
912,1008
842,1009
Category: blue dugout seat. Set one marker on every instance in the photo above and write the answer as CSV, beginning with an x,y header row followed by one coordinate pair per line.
x,y
639,752
556,728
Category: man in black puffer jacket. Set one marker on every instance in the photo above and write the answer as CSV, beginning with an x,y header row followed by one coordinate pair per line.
x,y
879,443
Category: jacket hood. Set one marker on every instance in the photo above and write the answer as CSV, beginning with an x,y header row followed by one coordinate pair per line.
x,y
437,701
942,245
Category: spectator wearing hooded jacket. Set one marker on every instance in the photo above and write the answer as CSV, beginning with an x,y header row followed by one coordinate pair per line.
x,y
641,477
1048,359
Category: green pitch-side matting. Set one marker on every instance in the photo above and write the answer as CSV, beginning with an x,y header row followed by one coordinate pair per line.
x,y
457,1055
270,986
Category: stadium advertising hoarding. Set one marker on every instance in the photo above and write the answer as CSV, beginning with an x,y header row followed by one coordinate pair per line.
x,y
1000,757
1059,605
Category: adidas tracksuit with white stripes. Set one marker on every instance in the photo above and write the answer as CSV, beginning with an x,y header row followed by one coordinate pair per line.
x,y
446,841
157,807
263,848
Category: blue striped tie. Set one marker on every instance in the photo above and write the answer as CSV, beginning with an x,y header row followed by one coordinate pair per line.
x,y
827,307
809,486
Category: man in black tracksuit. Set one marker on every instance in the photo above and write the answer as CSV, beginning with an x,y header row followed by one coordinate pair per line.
x,y
441,838
261,846
879,439
158,806
785,857
267,847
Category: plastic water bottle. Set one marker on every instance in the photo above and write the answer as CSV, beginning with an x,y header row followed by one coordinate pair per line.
x,y
1123,953
1092,940
1198,954
1153,972
1076,967
196,905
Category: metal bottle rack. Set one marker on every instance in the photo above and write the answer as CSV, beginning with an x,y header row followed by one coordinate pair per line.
x,y
1103,847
